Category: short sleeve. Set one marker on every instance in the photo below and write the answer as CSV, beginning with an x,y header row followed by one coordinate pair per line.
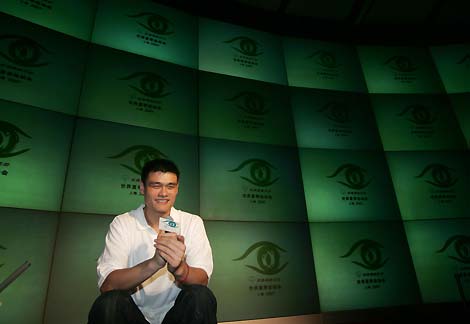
x,y
116,251
198,249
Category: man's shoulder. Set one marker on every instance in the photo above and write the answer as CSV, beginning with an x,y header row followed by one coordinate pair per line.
x,y
186,216
131,216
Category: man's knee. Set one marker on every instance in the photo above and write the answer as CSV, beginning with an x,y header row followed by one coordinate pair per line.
x,y
106,305
201,293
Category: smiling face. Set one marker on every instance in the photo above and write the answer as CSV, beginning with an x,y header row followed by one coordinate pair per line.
x,y
159,190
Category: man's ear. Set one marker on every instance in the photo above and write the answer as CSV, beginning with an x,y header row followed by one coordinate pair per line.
x,y
141,187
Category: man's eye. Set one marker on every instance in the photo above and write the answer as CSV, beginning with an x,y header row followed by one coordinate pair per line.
x,y
22,51
325,59
461,244
370,254
418,114
439,175
141,155
336,111
268,258
9,139
154,23
401,64
354,176
245,46
250,102
149,84
260,172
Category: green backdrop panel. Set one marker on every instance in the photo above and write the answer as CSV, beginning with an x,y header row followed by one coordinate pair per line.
x,y
250,182
132,89
347,186
34,149
70,17
39,67
362,265
239,51
399,69
106,161
322,65
245,110
417,122
439,249
461,104
260,272
146,28
80,242
333,119
430,185
453,64
25,235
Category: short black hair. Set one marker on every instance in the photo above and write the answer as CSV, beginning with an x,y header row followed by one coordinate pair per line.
x,y
162,165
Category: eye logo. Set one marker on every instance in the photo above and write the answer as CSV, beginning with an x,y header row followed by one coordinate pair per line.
x,y
461,247
371,254
9,138
354,175
155,23
464,59
2,248
267,256
441,175
260,172
325,59
250,102
401,64
170,223
142,154
22,51
150,84
245,46
337,112
419,115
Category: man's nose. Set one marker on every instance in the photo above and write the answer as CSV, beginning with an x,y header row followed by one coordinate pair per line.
x,y
163,192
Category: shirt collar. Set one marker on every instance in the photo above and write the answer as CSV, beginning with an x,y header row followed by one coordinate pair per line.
x,y
142,222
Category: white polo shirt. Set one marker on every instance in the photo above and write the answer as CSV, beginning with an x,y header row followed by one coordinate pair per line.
x,y
130,241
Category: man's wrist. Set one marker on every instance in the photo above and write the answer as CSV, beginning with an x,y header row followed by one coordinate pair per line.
x,y
181,273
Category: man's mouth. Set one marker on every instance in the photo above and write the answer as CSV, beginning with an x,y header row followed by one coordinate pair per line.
x,y
162,201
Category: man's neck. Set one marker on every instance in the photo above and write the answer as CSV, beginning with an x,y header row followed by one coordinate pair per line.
x,y
153,219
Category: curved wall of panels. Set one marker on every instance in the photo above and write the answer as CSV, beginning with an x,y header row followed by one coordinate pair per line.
x,y
349,163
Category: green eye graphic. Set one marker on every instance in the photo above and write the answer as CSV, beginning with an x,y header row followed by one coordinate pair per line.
x,y
336,111
441,175
22,51
250,102
400,64
9,138
245,46
464,59
155,23
418,114
461,247
325,59
260,172
2,248
142,154
150,84
267,256
355,176
371,254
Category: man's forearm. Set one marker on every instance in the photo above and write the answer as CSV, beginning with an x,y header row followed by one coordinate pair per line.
x,y
129,278
188,275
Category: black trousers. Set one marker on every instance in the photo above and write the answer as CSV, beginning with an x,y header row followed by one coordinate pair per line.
x,y
195,304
